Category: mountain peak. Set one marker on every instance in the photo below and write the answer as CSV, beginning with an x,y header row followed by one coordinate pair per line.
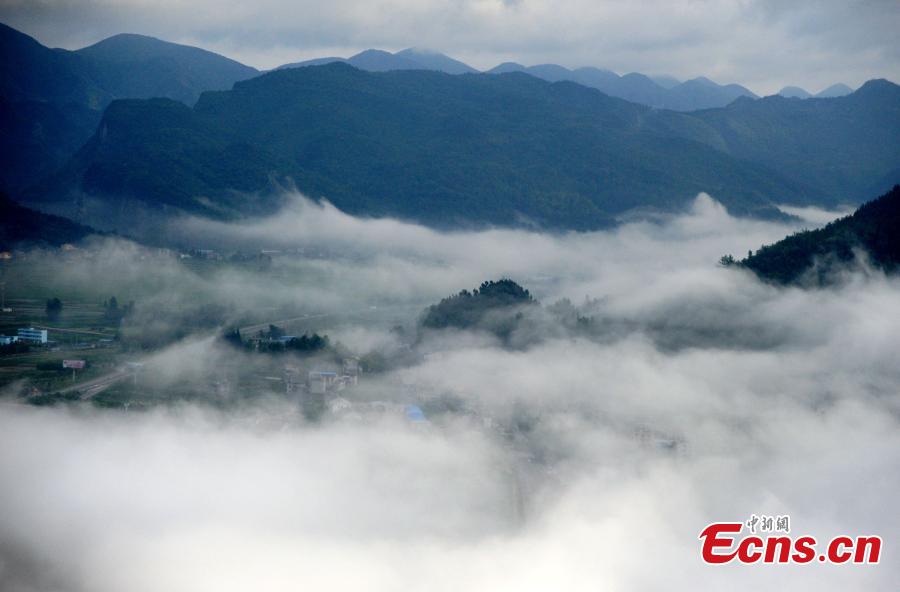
x,y
507,67
876,85
128,46
434,60
701,80
378,60
371,52
835,90
794,92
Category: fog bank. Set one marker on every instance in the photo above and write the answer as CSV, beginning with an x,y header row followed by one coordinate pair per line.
x,y
700,394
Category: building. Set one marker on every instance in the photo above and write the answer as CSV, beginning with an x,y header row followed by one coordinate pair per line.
x,y
350,367
7,339
415,414
320,382
33,335
291,377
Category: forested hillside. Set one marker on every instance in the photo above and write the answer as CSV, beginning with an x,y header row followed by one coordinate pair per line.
x,y
873,231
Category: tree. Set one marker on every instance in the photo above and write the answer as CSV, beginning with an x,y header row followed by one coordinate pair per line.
x,y
308,344
727,260
113,313
54,309
468,309
233,338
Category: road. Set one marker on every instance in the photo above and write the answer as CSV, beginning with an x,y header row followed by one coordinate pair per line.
x,y
75,331
403,309
94,387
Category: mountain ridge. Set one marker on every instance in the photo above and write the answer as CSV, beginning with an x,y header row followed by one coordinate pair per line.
x,y
450,150
53,99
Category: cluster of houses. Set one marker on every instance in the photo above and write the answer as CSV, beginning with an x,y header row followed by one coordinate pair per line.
x,y
323,382
328,387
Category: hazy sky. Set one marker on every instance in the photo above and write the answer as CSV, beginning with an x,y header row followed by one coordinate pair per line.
x,y
763,44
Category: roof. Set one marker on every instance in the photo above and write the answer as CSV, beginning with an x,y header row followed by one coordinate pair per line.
x,y
414,413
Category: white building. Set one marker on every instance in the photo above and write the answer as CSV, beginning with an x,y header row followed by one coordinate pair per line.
x,y
7,339
33,335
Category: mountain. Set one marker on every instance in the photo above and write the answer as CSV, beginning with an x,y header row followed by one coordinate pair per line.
x,y
123,66
666,93
703,93
376,60
691,95
637,88
665,81
38,137
495,306
835,90
20,226
49,105
136,66
436,61
794,92
811,256
506,68
52,99
839,147
31,72
440,149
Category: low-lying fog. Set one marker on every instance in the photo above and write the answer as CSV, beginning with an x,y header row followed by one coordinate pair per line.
x,y
702,395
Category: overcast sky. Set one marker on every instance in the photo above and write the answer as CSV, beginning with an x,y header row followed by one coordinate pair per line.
x,y
763,44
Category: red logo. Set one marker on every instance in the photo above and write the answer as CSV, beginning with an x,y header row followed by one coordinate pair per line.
x,y
722,543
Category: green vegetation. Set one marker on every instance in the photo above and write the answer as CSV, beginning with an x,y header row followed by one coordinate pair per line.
x,y
51,99
54,309
114,314
441,149
51,399
845,149
873,229
496,307
272,341
23,227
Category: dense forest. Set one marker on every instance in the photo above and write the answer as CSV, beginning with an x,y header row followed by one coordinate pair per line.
x,y
20,226
495,306
445,150
812,255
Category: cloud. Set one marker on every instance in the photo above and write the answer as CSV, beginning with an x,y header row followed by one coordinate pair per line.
x,y
574,459
762,44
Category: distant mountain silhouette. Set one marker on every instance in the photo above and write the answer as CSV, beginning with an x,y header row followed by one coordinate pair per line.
x,y
835,90
665,92
436,61
839,146
375,60
691,95
52,99
703,93
444,150
665,81
137,66
794,92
